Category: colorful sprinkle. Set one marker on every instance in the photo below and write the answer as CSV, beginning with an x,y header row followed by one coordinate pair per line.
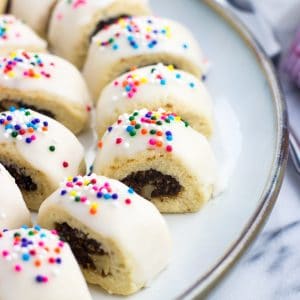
x,y
139,32
91,191
30,247
22,124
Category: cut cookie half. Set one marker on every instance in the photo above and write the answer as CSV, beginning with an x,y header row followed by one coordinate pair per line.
x,y
38,152
35,264
15,35
47,84
13,211
161,157
154,87
74,23
34,13
113,232
140,41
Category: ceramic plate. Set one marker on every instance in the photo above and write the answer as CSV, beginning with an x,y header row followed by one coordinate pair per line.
x,y
207,243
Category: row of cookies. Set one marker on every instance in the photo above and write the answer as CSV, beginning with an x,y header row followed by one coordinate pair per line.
x,y
105,39
112,239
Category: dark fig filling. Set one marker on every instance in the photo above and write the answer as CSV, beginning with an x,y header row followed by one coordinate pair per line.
x,y
5,104
152,183
104,23
84,249
23,181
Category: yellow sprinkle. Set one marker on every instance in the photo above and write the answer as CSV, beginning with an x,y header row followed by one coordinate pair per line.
x,y
144,80
70,178
11,74
73,193
171,67
177,118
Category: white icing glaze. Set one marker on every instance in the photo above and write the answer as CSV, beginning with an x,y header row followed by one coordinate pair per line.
x,y
44,73
35,13
37,152
18,270
151,87
135,37
73,21
117,143
121,215
16,35
13,211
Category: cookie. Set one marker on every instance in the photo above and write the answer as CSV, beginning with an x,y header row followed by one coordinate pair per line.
x,y
140,41
161,157
38,152
35,264
154,87
74,23
35,13
14,35
13,211
47,84
113,232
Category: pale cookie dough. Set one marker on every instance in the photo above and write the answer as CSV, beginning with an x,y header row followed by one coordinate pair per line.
x,y
15,35
119,239
3,5
140,41
35,13
47,84
74,22
161,157
35,265
38,152
13,211
153,87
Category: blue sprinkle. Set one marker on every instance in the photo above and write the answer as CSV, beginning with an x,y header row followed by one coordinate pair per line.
x,y
115,47
192,85
24,227
63,192
131,191
99,195
129,128
107,196
115,196
178,76
26,257
163,82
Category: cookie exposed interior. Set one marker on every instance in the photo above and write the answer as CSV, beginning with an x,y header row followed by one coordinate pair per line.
x,y
152,183
5,104
85,249
104,23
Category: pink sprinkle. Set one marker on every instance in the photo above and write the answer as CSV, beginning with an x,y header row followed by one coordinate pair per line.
x,y
45,279
83,199
41,244
128,201
152,142
69,184
169,148
116,83
33,137
119,141
5,253
18,268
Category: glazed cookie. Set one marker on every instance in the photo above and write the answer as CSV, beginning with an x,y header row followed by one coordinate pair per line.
x,y
47,84
153,87
161,157
16,35
13,211
75,22
38,152
140,41
35,264
35,13
113,232
3,6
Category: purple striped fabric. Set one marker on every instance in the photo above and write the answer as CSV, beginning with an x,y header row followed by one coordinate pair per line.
x,y
292,62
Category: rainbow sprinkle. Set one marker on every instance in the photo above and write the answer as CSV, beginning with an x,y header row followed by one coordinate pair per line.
x,y
140,32
32,247
160,75
154,125
8,30
22,64
92,192
22,124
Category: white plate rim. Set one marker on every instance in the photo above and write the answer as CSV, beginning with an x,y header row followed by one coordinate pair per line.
x,y
206,282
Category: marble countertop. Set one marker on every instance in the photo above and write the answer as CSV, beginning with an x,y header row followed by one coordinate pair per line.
x,y
270,270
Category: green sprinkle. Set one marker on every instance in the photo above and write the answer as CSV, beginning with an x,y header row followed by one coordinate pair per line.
x,y
132,133
52,148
